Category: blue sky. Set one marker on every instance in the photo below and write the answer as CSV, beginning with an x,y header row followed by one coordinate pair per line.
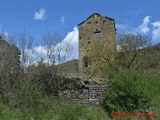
x,y
63,16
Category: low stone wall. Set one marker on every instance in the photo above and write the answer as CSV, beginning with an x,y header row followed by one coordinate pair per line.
x,y
82,91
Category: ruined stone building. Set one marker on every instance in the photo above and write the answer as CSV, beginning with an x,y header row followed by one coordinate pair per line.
x,y
95,28
9,67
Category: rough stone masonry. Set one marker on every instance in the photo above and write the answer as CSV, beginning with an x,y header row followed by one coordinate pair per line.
x,y
82,91
95,28
9,68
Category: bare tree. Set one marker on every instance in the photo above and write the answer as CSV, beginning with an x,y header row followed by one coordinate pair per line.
x,y
132,49
50,41
12,39
24,41
63,52
57,51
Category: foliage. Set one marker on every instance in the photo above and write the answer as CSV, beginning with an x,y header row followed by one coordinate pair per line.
x,y
131,91
96,113
59,112
70,111
28,98
29,103
134,51
32,98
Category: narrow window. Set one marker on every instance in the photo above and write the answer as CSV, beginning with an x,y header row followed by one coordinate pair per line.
x,y
86,61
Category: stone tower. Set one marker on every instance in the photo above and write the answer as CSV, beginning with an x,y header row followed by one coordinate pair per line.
x,y
95,28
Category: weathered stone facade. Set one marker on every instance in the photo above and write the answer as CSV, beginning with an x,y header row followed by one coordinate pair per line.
x,y
9,57
9,67
95,28
82,91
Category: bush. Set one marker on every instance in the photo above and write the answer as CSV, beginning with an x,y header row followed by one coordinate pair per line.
x,y
65,110
96,113
70,111
130,91
29,101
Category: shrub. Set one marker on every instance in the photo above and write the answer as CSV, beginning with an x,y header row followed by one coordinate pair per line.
x,y
28,100
96,113
129,92
70,111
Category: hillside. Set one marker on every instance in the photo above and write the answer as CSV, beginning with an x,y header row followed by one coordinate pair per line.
x,y
70,67
157,46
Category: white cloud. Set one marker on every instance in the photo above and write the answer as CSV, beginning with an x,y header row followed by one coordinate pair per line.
x,y
40,15
69,43
144,27
40,52
72,39
62,19
121,26
156,31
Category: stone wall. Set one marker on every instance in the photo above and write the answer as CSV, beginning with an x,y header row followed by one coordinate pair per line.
x,y
82,91
9,68
9,57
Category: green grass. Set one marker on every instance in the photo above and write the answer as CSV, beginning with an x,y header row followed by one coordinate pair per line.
x,y
28,103
58,111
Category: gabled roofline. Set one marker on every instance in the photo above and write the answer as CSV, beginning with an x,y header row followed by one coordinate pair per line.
x,y
81,22
95,14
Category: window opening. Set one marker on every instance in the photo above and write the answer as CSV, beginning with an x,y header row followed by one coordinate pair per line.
x,y
97,31
86,61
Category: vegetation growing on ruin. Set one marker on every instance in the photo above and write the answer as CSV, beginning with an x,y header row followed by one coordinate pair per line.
x,y
133,74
